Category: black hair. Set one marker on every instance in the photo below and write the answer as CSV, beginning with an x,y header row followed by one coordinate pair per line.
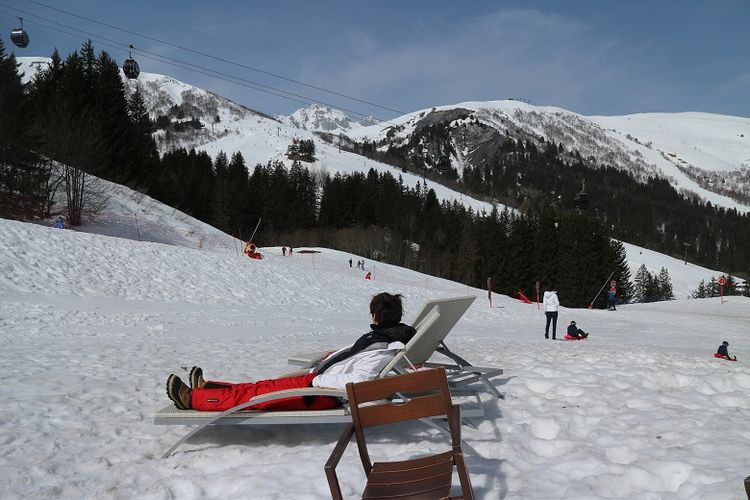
x,y
386,308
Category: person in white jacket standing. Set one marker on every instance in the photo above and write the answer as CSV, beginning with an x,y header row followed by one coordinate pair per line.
x,y
551,305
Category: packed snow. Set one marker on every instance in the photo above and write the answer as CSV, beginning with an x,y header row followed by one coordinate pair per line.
x,y
92,325
93,321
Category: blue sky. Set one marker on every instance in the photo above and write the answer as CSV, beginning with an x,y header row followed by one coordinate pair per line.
x,y
592,57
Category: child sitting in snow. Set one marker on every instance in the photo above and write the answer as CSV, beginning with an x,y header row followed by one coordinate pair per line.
x,y
575,332
723,352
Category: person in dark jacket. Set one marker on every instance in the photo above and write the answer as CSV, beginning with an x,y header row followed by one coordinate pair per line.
x,y
363,360
575,332
723,352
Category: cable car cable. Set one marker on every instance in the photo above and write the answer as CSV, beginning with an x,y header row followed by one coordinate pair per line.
x,y
356,115
228,61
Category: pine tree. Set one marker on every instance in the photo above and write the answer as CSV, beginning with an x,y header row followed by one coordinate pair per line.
x,y
220,198
641,284
622,271
700,292
730,287
142,149
23,175
665,285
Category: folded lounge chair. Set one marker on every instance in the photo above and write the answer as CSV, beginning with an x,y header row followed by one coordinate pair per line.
x,y
460,372
169,415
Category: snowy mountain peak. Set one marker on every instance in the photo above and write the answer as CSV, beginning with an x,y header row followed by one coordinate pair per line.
x,y
318,118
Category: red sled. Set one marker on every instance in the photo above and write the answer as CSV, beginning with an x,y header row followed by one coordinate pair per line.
x,y
568,337
717,355
254,255
522,297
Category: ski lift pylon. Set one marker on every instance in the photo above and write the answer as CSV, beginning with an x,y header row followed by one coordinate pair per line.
x,y
130,66
19,37
582,198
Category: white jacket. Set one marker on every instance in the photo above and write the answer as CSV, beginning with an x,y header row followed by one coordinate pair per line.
x,y
365,365
551,302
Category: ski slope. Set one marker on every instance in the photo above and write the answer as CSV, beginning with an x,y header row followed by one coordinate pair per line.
x,y
91,326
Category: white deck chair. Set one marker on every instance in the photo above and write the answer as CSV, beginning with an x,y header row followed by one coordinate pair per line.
x,y
471,405
460,372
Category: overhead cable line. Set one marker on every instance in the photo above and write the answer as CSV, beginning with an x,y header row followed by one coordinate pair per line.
x,y
221,59
237,80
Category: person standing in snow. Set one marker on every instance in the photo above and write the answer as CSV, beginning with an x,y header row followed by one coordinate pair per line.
x,y
283,251
551,305
611,300
350,262
363,360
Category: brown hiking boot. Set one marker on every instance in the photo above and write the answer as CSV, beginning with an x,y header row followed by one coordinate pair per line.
x,y
179,393
196,378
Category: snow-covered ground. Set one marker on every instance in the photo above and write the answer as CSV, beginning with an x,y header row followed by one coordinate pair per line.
x,y
91,325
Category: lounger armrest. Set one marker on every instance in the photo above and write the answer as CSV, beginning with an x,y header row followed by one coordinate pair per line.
x,y
308,359
333,462
289,393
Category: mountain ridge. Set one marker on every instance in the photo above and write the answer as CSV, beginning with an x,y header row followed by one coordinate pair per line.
x,y
709,160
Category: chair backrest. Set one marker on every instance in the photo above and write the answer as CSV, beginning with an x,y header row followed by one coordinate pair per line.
x,y
417,395
419,350
422,329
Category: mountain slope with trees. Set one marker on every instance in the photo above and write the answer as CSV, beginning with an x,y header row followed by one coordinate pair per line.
x,y
79,116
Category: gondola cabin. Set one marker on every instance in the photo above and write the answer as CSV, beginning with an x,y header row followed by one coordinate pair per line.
x,y
582,201
131,69
19,37
130,66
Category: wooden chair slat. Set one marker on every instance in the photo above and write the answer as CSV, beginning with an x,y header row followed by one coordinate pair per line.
x,y
389,413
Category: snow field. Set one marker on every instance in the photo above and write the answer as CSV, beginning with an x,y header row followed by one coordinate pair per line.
x,y
90,326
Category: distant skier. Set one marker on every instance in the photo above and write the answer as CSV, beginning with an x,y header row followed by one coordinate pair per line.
x,y
283,251
368,276
611,299
350,262
291,250
723,352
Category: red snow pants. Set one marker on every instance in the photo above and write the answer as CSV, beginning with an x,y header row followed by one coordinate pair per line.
x,y
220,396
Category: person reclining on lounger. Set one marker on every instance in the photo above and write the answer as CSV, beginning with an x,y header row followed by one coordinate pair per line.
x,y
363,360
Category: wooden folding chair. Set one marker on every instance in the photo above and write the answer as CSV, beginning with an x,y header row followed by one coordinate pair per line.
x,y
418,395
